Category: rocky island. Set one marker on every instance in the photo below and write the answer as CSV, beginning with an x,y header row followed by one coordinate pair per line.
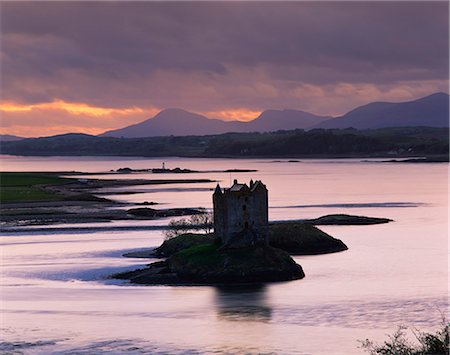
x,y
208,264
239,251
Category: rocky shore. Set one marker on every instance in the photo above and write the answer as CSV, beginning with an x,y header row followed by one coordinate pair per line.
x,y
209,264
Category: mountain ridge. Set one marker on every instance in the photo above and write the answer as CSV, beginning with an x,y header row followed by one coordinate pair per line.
x,y
179,122
429,111
9,138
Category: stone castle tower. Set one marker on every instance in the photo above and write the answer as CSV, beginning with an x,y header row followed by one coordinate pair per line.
x,y
241,217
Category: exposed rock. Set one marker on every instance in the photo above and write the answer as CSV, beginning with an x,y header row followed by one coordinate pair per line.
x,y
155,273
124,170
303,239
239,171
171,212
432,159
345,219
209,264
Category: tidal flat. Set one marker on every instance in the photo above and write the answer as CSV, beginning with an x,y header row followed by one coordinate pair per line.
x,y
42,198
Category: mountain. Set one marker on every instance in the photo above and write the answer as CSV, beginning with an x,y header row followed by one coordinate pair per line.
x,y
175,122
9,138
429,111
274,120
178,122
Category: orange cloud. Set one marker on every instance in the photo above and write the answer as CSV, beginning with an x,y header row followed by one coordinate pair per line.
x,y
72,107
56,117
36,131
240,114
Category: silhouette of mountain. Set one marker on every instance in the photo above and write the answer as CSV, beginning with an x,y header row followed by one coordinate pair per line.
x,y
179,122
176,122
9,138
274,120
70,137
429,111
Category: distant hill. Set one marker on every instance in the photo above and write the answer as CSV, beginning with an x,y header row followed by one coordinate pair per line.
x,y
386,142
67,137
174,122
9,138
429,111
274,120
179,122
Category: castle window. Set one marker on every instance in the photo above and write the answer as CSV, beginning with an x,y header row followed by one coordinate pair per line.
x,y
244,207
246,224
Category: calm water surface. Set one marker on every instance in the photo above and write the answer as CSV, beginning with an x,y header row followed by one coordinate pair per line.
x,y
55,296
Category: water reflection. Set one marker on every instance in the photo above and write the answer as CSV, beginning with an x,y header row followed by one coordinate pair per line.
x,y
243,303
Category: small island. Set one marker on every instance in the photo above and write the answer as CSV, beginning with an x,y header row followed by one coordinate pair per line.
x,y
242,249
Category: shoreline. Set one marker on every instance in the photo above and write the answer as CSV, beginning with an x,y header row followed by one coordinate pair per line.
x,y
75,201
389,158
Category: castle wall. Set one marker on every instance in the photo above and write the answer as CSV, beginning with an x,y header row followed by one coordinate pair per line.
x,y
241,217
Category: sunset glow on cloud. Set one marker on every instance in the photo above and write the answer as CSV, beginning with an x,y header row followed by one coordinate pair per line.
x,y
61,65
70,107
233,115
59,117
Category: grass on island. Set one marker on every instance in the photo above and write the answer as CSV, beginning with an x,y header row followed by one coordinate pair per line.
x,y
212,256
203,254
21,187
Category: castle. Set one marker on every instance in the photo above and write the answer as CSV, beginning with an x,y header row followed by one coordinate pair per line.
x,y
241,216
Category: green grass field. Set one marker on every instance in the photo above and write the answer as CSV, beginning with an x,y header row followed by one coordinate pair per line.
x,y
21,187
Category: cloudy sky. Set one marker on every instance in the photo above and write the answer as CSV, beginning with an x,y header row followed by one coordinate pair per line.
x,y
93,66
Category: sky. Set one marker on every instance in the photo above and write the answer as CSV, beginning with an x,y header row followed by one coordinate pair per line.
x,y
93,66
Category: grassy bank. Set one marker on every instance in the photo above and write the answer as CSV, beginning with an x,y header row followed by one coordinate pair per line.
x,y
20,187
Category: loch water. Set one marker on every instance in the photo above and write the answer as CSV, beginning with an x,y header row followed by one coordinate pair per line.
x,y
56,296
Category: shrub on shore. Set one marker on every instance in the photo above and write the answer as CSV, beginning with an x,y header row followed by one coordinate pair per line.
x,y
398,343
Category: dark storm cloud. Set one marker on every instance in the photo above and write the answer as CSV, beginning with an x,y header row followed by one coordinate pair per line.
x,y
207,54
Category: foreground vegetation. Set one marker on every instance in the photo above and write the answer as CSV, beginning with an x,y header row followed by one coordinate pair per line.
x,y
397,142
398,343
20,187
